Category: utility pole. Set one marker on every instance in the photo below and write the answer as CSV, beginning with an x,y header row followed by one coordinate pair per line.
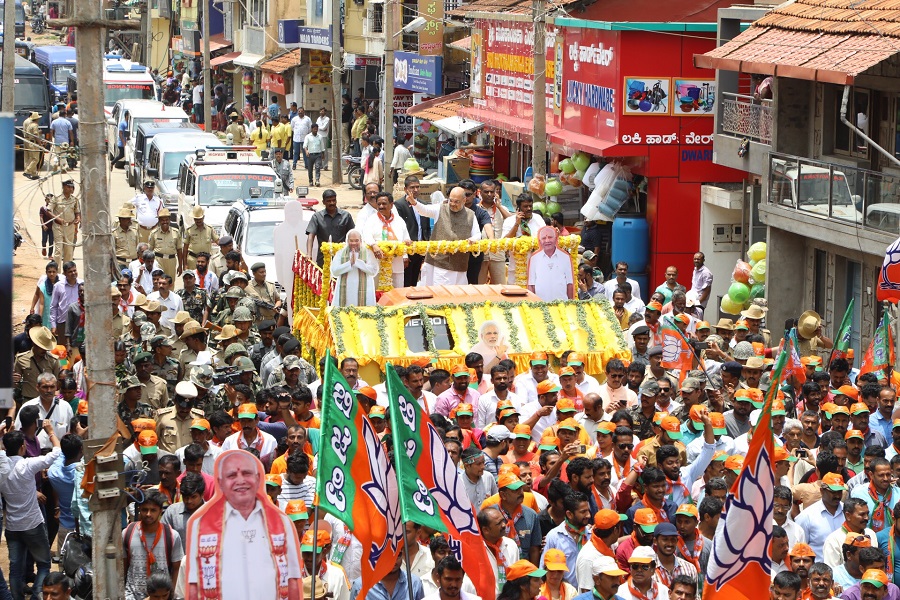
x,y
206,81
337,127
539,142
388,108
9,56
90,40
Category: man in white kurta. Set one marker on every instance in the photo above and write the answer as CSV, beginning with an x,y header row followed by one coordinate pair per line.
x,y
386,226
525,222
448,225
550,270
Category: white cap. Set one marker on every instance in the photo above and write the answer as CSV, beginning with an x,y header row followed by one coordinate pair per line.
x,y
500,433
186,389
605,565
643,554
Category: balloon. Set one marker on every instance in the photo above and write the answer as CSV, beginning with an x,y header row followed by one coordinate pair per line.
x,y
566,166
741,272
739,292
540,207
581,161
730,307
758,272
758,290
536,185
757,251
553,207
580,175
553,187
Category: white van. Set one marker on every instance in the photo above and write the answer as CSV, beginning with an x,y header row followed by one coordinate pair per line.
x,y
807,188
167,152
135,113
126,80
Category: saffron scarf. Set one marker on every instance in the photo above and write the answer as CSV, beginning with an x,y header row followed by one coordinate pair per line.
x,y
660,511
882,516
652,594
670,489
601,546
691,555
209,548
362,286
501,562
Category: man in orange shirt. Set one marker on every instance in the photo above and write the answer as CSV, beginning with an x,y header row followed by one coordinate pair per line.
x,y
570,387
297,442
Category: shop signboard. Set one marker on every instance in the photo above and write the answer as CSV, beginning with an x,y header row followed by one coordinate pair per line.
x,y
431,38
272,82
288,33
404,121
588,82
418,73
314,38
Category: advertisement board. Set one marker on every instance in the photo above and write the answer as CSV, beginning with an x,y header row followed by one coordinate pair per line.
x,y
418,73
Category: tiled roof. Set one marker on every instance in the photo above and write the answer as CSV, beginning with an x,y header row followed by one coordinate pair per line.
x,y
820,40
464,44
440,108
507,7
282,63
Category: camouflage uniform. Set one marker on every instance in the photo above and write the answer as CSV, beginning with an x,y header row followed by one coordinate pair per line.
x,y
170,371
194,302
141,411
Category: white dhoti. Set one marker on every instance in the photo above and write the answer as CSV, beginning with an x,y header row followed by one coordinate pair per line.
x,y
432,275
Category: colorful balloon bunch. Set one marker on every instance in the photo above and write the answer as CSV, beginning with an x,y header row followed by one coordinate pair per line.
x,y
748,280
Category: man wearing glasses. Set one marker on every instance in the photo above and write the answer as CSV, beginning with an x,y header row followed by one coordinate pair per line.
x,y
616,395
524,222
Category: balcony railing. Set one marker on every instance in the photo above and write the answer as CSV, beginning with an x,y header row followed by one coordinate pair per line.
x,y
858,197
746,117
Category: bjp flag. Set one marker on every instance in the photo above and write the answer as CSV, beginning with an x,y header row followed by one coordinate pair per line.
x,y
676,351
739,565
889,276
880,354
355,482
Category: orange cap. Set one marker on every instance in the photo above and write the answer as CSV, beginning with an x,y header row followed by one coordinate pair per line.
x,y
834,482
567,372
849,391
840,410
368,392
734,462
858,540
538,358
653,306
378,412
607,519
510,481
549,442
509,468
273,480
555,560
781,454
200,424
546,387
688,510
854,433
570,424
828,408
683,317
672,426
565,405
658,417
523,568
147,441
296,510
810,360
646,519
758,348
465,409
247,411
459,369
522,431
802,550
606,427
82,407
575,359
322,538
876,577
701,325
859,407
143,424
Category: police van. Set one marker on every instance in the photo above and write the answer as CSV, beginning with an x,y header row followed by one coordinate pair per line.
x,y
216,177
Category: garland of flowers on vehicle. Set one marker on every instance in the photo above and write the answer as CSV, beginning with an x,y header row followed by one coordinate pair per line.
x,y
581,318
605,306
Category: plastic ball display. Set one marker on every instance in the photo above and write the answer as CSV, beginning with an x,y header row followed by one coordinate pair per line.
x,y
731,307
758,290
741,272
739,292
581,161
758,272
553,207
540,207
566,166
553,188
757,251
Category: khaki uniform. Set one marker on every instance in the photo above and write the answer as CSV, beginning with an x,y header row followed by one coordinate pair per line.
x,y
177,347
120,325
29,367
174,433
155,393
166,245
33,150
264,291
188,356
217,264
238,132
199,240
64,235
126,244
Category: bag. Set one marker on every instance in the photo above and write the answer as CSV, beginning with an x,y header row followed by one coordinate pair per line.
x,y
75,553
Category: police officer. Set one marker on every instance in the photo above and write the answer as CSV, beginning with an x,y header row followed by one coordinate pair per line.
x,y
147,206
199,237
181,318
265,344
125,238
165,241
194,299
33,149
264,290
154,391
66,218
32,363
238,134
173,423
217,264
164,366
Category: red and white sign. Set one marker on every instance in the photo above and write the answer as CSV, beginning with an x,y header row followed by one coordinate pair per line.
x,y
273,82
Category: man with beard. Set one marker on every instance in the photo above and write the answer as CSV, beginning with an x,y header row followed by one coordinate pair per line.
x,y
601,492
580,473
250,436
679,479
880,496
414,380
621,460
571,535
802,558
737,420
521,522
604,535
655,495
605,580
487,403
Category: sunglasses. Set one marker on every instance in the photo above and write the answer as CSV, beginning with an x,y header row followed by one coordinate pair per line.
x,y
616,376
642,566
626,446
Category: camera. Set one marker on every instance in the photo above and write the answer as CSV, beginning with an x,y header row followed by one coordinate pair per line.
x,y
226,375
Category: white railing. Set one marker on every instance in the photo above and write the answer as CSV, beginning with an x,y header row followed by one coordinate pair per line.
x,y
747,117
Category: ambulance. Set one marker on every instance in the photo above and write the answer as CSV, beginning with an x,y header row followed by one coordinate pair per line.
x,y
125,80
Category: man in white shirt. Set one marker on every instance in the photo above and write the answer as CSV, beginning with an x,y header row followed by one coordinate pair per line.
x,y
25,529
201,434
486,413
526,383
385,226
620,278
616,395
421,562
550,270
250,436
448,582
524,222
502,551
59,413
401,155
324,123
313,149
147,206
315,559
301,125
170,301
701,279
585,383
541,414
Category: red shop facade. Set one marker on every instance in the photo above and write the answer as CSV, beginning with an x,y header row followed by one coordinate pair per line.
x,y
624,91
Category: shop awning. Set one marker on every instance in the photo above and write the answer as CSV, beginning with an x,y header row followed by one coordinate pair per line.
x,y
282,63
505,126
224,59
569,142
457,126
463,44
217,42
248,59
441,107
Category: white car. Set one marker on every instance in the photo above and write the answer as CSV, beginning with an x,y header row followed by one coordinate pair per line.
x,y
808,187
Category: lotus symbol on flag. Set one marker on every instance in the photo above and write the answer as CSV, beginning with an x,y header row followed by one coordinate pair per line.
x,y
448,497
890,269
671,349
382,489
744,538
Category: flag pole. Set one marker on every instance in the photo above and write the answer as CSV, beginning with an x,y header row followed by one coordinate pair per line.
x,y
409,589
315,568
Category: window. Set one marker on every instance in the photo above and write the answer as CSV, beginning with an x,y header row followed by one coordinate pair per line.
x,y
858,112
378,18
258,16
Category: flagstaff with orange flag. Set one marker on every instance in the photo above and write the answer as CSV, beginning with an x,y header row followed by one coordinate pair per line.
x,y
739,565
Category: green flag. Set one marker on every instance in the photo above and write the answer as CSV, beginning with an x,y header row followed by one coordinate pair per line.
x,y
335,487
842,340
413,436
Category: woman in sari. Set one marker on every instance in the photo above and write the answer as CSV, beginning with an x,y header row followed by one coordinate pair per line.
x,y
356,269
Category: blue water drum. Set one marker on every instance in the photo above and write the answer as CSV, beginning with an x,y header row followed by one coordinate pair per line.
x,y
631,243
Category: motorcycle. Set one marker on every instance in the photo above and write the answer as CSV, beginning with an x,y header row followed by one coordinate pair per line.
x,y
38,22
353,170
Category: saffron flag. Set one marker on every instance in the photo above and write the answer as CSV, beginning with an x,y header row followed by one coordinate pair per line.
x,y
739,564
880,354
794,366
355,482
889,276
843,340
428,475
676,351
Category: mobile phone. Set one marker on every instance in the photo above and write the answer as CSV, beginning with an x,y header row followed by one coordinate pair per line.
x,y
8,421
701,346
582,449
83,420
802,452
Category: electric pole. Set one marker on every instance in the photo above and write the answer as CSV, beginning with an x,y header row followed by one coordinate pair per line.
x,y
90,42
9,56
206,81
388,108
539,141
337,126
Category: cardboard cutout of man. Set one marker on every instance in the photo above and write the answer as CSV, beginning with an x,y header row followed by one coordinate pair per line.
x,y
550,269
